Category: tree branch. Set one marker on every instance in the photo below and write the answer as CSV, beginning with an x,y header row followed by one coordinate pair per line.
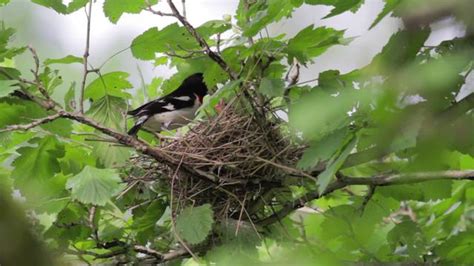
x,y
35,123
383,180
213,55
148,251
85,59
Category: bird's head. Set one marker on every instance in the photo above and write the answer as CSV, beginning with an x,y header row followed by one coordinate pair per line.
x,y
196,84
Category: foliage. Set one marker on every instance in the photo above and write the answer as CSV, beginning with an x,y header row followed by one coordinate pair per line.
x,y
195,223
393,174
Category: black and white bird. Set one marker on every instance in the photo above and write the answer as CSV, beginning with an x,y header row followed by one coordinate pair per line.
x,y
173,110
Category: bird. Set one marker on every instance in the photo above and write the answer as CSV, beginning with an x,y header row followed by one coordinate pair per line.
x,y
173,110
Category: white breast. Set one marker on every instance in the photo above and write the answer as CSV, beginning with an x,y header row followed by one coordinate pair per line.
x,y
173,119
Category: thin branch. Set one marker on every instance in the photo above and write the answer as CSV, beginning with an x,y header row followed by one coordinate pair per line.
x,y
35,123
156,12
183,2
186,56
148,251
384,180
85,59
213,55
368,196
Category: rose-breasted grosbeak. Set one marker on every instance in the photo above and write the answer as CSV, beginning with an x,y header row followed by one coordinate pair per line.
x,y
173,110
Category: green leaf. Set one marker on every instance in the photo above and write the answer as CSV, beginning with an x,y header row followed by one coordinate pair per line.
x,y
213,27
312,42
297,3
70,98
272,87
113,83
58,6
389,6
195,223
94,186
340,6
322,150
4,2
6,87
163,60
402,48
262,13
430,190
334,165
70,59
37,164
171,38
328,112
145,224
5,52
114,9
408,235
109,111
70,225
223,93
458,249
8,73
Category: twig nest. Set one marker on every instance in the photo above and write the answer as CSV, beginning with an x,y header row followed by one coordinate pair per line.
x,y
235,159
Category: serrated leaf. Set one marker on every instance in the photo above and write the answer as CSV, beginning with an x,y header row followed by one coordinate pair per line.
x,y
458,249
145,224
390,5
195,223
409,235
171,38
322,150
5,52
213,27
340,6
272,87
113,83
36,164
94,186
262,14
114,9
334,165
109,111
70,59
223,93
6,87
8,73
60,7
402,47
312,42
70,225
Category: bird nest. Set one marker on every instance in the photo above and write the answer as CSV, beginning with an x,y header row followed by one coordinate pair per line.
x,y
231,161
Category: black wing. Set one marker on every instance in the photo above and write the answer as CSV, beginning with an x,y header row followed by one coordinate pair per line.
x,y
184,96
165,104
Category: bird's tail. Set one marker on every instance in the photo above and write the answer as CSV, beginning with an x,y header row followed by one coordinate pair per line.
x,y
134,130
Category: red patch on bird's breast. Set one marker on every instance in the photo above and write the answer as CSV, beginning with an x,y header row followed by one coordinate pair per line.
x,y
199,98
